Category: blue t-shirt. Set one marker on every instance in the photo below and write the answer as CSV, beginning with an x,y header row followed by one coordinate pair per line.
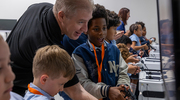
x,y
121,27
135,38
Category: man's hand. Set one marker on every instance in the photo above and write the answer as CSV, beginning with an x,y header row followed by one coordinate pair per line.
x,y
115,94
77,92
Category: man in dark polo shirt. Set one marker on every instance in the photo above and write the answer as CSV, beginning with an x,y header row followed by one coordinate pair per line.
x,y
45,24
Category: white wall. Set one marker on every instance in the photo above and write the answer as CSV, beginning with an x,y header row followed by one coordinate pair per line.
x,y
13,9
140,10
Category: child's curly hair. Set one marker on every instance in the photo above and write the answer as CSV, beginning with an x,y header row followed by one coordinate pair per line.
x,y
124,50
113,19
99,12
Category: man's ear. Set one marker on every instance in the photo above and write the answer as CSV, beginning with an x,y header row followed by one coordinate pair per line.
x,y
43,79
61,15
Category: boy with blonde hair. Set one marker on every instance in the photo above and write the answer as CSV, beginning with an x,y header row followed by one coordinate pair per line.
x,y
52,68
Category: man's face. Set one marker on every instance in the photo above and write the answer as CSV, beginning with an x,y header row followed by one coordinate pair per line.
x,y
76,24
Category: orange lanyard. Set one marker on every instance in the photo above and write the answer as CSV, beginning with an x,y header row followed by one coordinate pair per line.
x,y
97,63
32,90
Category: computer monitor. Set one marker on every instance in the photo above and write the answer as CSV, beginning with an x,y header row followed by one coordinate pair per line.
x,y
169,39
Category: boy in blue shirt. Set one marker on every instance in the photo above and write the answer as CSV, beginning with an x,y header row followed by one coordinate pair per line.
x,y
52,68
111,27
99,65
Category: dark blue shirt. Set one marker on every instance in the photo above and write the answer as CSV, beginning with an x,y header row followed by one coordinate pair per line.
x,y
143,40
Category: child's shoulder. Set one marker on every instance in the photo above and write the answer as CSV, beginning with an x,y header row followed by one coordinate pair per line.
x,y
81,47
112,47
31,96
15,96
134,37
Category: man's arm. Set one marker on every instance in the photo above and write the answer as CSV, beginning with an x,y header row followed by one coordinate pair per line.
x,y
77,92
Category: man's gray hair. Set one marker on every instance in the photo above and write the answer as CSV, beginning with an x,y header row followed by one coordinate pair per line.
x,y
69,7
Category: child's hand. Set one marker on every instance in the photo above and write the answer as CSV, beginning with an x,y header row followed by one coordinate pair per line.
x,y
123,90
145,46
132,59
137,70
118,34
133,69
154,38
150,41
115,94
141,53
